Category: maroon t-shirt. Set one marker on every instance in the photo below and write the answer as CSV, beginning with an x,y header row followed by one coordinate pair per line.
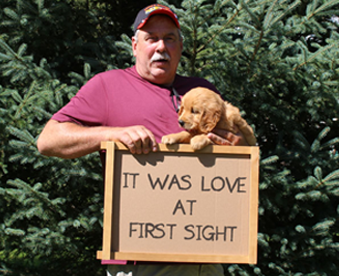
x,y
122,98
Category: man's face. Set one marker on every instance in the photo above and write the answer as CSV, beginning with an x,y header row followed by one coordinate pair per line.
x,y
158,50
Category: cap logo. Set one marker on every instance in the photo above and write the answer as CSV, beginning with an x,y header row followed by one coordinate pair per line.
x,y
152,8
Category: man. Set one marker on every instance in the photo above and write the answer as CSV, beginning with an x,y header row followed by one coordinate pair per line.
x,y
135,106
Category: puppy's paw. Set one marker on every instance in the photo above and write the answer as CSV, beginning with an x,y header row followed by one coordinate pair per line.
x,y
200,141
169,139
176,138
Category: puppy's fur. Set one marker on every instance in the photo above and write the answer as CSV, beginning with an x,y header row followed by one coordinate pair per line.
x,y
201,111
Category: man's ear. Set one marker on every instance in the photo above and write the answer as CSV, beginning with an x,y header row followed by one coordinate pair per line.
x,y
134,46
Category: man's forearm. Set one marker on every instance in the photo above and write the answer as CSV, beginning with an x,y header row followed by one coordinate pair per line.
x,y
69,140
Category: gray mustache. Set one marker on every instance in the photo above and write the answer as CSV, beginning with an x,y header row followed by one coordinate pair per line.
x,y
162,56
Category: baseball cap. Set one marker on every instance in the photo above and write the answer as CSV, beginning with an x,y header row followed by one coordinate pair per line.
x,y
147,12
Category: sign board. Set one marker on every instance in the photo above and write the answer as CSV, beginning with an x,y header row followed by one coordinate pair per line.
x,y
177,205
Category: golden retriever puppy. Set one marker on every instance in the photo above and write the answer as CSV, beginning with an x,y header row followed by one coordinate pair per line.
x,y
201,111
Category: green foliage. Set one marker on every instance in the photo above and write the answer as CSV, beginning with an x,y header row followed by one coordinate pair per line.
x,y
276,60
52,208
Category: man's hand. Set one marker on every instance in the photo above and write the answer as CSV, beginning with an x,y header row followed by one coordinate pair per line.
x,y
138,139
227,138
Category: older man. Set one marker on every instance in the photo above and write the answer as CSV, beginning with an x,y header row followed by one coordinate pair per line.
x,y
135,106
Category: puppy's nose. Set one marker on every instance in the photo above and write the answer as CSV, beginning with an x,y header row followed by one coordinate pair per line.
x,y
181,122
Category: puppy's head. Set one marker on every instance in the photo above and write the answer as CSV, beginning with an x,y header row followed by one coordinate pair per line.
x,y
200,110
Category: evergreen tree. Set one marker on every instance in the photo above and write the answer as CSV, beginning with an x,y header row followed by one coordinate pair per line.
x,y
51,208
276,60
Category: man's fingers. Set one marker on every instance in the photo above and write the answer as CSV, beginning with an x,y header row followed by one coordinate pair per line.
x,y
138,139
224,137
218,140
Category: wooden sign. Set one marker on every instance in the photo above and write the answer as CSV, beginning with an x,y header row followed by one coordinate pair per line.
x,y
177,205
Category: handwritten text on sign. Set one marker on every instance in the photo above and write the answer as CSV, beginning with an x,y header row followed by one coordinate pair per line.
x,y
171,206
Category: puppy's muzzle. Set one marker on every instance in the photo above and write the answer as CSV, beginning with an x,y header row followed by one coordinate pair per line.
x,y
181,122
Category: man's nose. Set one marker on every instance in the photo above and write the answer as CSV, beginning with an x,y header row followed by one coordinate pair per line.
x,y
161,46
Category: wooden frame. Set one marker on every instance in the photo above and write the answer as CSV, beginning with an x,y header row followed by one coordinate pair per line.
x,y
118,245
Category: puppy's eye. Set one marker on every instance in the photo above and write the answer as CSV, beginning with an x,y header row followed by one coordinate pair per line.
x,y
194,111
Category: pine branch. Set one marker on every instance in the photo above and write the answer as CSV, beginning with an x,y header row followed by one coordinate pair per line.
x,y
26,99
314,56
222,28
323,7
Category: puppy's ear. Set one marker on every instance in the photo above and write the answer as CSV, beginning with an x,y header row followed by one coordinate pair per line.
x,y
180,110
209,120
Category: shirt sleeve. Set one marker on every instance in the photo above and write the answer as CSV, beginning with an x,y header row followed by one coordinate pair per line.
x,y
88,107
